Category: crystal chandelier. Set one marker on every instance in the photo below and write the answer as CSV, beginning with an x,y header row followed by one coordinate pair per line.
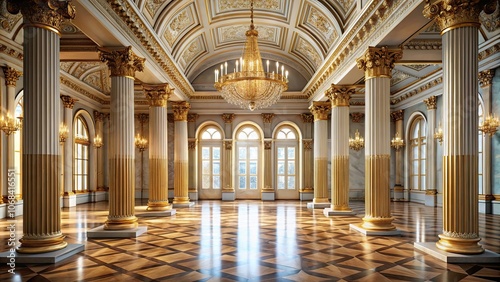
x,y
356,143
489,125
397,143
249,86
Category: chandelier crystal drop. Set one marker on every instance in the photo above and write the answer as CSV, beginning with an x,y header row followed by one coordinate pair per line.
x,y
249,86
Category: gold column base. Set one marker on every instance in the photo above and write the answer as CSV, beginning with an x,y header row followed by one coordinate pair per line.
x,y
121,223
320,200
41,245
158,206
341,208
181,200
459,245
378,224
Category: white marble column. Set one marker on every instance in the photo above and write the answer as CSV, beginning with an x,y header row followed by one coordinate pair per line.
x,y
431,177
181,155
40,173
157,96
377,63
459,23
11,76
123,64
486,198
339,96
69,197
320,110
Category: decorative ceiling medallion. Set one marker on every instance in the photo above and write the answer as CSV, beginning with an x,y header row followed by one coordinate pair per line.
x,y
178,24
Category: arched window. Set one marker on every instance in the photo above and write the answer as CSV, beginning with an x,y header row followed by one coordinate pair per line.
x,y
480,146
418,153
286,157
18,141
247,162
81,156
210,156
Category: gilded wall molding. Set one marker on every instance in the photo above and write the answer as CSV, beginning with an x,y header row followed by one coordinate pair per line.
x,y
418,90
339,95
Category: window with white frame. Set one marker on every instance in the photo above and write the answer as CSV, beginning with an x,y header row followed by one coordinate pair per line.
x,y
247,159
286,146
210,156
418,154
81,156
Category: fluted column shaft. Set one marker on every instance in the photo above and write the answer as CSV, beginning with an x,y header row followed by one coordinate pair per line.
x,y
40,173
431,176
68,103
377,64
157,96
320,111
339,97
11,77
122,63
181,154
459,23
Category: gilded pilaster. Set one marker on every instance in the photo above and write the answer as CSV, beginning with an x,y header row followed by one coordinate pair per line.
x,y
157,96
431,104
377,63
181,155
123,64
339,96
228,123
320,110
459,23
40,173
68,103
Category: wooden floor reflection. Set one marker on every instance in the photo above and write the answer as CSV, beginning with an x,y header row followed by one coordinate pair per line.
x,y
257,241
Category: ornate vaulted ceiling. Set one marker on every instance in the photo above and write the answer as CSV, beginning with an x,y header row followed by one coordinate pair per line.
x,y
185,40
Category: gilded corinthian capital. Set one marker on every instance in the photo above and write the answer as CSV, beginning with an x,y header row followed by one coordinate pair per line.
x,y
157,94
11,75
450,14
320,110
340,95
379,62
46,14
180,110
122,62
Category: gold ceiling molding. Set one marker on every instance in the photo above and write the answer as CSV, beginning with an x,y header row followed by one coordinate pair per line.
x,y
84,92
236,33
127,13
371,22
423,44
489,52
418,90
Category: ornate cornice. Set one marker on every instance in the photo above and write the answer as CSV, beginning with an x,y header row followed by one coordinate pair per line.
x,y
431,103
78,89
486,77
320,110
267,117
48,14
420,89
122,62
379,62
307,118
357,117
11,52
397,115
142,118
228,118
180,110
124,10
68,102
340,95
11,75
424,44
157,94
450,14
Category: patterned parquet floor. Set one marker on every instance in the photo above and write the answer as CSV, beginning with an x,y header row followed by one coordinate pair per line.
x,y
257,241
